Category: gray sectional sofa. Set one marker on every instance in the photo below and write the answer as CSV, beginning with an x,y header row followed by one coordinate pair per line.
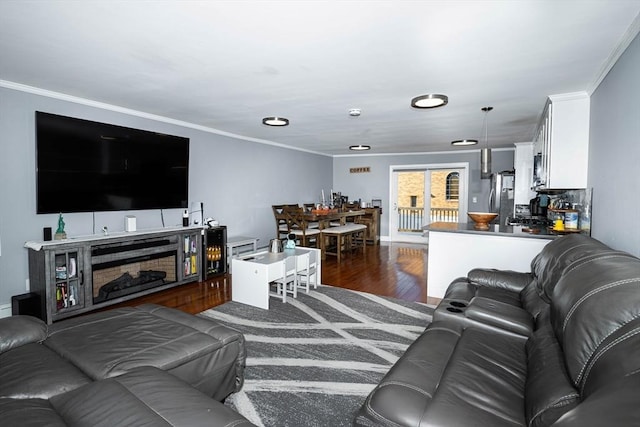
x,y
143,366
557,346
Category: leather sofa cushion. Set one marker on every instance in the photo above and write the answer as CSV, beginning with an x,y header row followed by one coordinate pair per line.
x,y
531,300
202,352
144,396
504,296
29,413
548,266
462,290
549,393
20,330
483,381
405,391
513,281
594,312
449,376
615,404
34,371
500,315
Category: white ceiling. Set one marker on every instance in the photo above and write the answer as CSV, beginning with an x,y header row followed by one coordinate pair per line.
x,y
225,65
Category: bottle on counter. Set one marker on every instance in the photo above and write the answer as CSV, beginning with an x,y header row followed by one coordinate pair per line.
x,y
558,225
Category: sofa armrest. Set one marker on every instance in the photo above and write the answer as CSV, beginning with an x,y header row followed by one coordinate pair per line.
x,y
514,281
461,289
500,315
16,331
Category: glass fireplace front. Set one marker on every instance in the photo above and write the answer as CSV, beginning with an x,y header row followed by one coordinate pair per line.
x,y
115,279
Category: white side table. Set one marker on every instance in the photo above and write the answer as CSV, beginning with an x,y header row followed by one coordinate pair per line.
x,y
239,245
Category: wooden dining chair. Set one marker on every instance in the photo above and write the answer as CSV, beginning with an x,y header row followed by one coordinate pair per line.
x,y
282,229
308,208
298,226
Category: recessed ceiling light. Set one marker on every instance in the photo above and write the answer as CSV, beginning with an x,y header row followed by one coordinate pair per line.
x,y
360,147
465,142
431,100
275,121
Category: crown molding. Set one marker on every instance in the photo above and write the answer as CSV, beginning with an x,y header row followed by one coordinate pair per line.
x,y
115,108
422,153
623,44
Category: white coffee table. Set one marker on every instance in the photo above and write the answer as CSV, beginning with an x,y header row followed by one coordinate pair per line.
x,y
252,273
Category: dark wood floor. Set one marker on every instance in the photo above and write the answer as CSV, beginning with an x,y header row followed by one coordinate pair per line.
x,y
390,269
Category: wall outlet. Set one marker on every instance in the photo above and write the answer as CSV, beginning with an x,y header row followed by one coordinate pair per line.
x,y
474,199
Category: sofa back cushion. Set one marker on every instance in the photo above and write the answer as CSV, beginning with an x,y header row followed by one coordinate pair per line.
x,y
549,264
594,313
16,331
531,300
549,392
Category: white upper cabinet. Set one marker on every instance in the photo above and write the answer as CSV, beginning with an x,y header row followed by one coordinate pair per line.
x,y
562,141
523,164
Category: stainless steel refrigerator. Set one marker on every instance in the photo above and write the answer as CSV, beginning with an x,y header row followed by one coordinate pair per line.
x,y
501,196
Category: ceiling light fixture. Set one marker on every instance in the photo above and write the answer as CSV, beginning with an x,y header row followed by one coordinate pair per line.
x,y
355,112
464,142
485,153
275,121
360,147
430,101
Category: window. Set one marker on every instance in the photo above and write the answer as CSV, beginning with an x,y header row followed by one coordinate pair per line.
x,y
414,201
453,186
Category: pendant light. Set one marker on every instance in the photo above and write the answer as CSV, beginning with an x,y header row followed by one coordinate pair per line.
x,y
485,153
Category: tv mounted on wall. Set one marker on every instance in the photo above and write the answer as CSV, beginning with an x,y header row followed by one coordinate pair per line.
x,y
85,166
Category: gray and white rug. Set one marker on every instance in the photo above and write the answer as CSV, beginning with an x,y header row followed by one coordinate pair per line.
x,y
312,361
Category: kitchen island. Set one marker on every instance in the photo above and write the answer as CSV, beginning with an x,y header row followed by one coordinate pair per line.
x,y
457,247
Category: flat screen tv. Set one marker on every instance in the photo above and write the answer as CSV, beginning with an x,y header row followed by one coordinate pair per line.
x,y
85,166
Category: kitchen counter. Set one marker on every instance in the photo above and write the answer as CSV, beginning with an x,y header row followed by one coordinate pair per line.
x,y
538,232
456,248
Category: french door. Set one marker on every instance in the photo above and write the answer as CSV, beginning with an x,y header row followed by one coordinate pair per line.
x,y
421,194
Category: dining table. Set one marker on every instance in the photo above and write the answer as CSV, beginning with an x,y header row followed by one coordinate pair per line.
x,y
324,218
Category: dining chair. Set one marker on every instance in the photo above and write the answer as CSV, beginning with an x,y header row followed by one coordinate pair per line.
x,y
307,266
308,208
282,229
298,226
288,280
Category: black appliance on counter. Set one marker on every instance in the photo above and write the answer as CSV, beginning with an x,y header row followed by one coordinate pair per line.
x,y
538,205
214,253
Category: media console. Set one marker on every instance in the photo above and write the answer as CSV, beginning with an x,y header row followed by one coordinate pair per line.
x,y
78,275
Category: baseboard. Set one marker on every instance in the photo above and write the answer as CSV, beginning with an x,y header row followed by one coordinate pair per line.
x,y
5,310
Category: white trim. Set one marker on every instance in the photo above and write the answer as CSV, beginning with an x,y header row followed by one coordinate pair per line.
x,y
5,310
77,100
571,96
623,44
421,153
96,104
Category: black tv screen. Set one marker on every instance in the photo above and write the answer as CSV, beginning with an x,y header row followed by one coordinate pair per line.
x,y
85,166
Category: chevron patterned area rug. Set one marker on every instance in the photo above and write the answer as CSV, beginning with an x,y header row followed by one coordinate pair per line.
x,y
312,361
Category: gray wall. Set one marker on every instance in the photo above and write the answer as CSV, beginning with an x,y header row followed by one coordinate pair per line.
x,y
614,154
238,181
375,184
